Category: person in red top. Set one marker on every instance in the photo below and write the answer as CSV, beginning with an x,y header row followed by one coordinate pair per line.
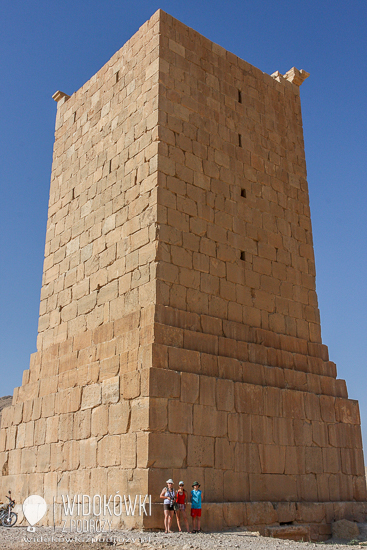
x,y
181,499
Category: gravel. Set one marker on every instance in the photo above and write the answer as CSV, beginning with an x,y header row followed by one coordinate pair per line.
x,y
15,538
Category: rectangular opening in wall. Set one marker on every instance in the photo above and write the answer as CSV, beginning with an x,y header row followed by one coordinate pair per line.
x,y
243,193
243,256
239,140
117,76
239,96
110,166
74,116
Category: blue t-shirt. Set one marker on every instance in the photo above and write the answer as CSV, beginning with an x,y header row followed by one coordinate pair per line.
x,y
196,499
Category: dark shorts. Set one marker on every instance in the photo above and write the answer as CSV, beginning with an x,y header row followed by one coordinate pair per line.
x,y
195,512
168,507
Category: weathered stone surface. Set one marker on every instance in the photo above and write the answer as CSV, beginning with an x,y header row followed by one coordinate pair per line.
x,y
289,532
344,530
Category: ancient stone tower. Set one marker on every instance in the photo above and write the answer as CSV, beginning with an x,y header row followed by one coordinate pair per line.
x,y
179,333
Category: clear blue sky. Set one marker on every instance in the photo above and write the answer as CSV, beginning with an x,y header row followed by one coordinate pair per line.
x,y
46,46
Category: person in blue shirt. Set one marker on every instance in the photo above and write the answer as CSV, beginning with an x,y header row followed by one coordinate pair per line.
x,y
196,499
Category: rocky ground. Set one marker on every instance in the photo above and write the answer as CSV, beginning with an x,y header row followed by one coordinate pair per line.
x,y
17,538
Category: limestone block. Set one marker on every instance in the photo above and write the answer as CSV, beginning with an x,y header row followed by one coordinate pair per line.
x,y
327,404
180,417
52,429
28,460
48,405
302,432
40,431
273,487
289,532
260,513
185,360
293,404
225,395
283,431
98,480
91,396
118,418
214,485
130,385
82,424
164,383
286,511
207,391
209,422
347,411
109,367
319,434
345,530
139,414
68,400
262,429
224,454
99,421
44,458
29,434
111,390
10,464
189,387
109,451
272,459
313,460
247,458
294,460
166,450
200,452
239,427
248,398
128,451
234,512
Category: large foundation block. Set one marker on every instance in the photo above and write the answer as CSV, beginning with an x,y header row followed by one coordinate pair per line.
x,y
179,331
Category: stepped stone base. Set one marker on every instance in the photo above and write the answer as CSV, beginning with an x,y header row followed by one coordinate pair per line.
x,y
305,520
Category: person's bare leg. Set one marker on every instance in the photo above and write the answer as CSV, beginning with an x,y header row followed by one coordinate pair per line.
x,y
170,516
166,521
198,518
178,520
185,520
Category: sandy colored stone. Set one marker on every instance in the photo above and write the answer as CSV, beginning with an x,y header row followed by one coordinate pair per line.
x,y
345,530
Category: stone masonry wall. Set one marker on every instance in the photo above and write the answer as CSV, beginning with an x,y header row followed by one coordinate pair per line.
x,y
253,407
77,422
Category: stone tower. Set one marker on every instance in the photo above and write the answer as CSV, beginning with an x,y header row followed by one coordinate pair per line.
x,y
179,332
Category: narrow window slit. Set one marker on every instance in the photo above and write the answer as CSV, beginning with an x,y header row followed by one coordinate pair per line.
x,y
243,193
72,194
239,96
117,76
74,116
243,256
239,140
110,166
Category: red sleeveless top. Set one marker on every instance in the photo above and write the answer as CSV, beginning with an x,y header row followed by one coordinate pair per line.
x,y
180,497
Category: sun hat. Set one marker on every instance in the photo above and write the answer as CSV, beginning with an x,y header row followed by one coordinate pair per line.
x,y
181,483
196,483
170,481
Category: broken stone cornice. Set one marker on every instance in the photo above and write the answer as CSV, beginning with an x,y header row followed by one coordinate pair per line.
x,y
60,97
293,75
